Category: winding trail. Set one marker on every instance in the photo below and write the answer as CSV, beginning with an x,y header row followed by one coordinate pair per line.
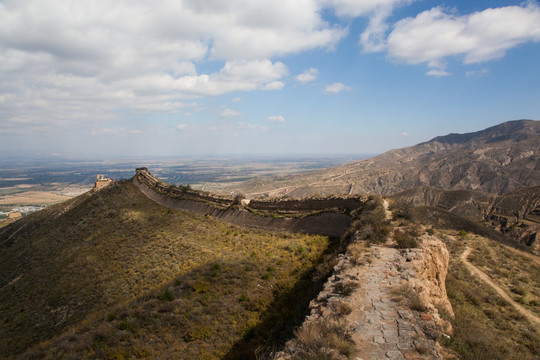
x,y
387,211
535,320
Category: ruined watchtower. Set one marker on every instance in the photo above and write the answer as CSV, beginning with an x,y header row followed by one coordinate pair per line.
x,y
101,182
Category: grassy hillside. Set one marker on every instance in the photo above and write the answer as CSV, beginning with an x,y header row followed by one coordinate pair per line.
x,y
485,325
115,275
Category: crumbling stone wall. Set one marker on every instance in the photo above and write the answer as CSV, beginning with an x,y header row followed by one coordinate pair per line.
x,y
328,217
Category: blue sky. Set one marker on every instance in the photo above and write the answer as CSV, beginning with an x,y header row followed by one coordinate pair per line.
x,y
132,78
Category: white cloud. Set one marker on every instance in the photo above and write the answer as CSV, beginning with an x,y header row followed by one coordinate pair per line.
x,y
248,126
354,8
307,76
481,36
476,72
115,132
336,88
373,37
437,72
87,60
228,113
275,118
404,133
274,85
236,100
225,127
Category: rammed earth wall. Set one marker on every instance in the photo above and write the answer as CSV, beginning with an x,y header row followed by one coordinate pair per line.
x,y
329,217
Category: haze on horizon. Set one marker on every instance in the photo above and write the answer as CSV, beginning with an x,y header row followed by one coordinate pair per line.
x,y
130,78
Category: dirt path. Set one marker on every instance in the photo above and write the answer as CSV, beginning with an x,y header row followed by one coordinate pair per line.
x,y
387,210
482,275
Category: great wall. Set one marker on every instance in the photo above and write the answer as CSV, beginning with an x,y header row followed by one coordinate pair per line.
x,y
324,216
379,327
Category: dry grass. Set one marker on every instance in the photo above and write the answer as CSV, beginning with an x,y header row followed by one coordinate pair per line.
x,y
369,222
516,274
405,294
406,238
33,198
340,309
323,340
485,326
359,253
133,279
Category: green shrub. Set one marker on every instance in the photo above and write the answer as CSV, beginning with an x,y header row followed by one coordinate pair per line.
x,y
125,325
370,223
405,239
345,289
166,295
198,332
215,269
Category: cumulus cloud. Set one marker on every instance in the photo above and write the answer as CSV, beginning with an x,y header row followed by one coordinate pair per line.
x,y
115,131
248,126
336,88
276,118
307,76
86,60
274,85
481,36
354,8
373,37
476,72
438,72
228,113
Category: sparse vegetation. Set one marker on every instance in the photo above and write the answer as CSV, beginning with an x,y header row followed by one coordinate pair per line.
x,y
369,223
486,326
406,238
118,269
324,340
340,309
359,253
407,295
345,288
518,275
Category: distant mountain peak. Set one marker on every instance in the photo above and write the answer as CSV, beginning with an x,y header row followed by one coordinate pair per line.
x,y
516,130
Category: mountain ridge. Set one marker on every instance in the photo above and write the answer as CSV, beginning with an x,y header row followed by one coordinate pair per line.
x,y
496,160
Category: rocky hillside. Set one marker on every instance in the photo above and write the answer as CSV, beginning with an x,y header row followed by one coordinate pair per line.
x,y
515,215
496,160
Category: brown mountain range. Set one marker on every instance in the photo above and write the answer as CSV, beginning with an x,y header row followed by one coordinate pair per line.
x,y
497,160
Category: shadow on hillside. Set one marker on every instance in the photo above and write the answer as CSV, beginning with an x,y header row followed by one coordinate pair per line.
x,y
445,219
287,311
